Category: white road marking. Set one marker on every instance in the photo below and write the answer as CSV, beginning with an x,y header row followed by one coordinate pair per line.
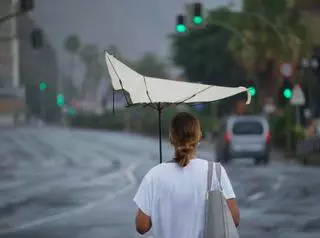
x,y
77,181
11,185
256,196
109,197
279,182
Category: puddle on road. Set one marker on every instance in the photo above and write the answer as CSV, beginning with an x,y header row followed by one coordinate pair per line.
x,y
313,225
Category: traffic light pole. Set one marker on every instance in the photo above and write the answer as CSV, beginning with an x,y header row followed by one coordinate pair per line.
x,y
288,114
15,48
9,16
42,105
298,123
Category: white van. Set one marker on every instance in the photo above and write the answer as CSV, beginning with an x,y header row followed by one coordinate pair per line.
x,y
244,136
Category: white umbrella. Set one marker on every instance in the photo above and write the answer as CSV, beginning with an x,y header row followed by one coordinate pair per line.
x,y
159,93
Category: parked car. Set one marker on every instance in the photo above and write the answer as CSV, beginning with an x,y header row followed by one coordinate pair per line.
x,y
244,136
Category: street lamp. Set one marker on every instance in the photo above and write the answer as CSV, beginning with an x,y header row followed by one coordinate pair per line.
x,y
310,63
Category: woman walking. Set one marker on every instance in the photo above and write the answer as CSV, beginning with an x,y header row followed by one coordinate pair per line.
x,y
171,196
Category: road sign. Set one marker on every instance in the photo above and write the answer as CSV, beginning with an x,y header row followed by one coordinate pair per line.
x,y
286,69
269,106
298,98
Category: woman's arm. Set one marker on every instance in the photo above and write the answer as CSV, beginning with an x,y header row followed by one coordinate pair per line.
x,y
143,222
234,209
229,195
143,199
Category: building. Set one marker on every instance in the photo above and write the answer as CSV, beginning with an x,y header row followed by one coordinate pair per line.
x,y
21,66
38,65
5,45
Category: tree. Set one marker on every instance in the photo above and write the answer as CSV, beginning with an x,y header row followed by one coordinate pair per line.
x,y
94,66
151,65
274,34
72,45
204,53
69,88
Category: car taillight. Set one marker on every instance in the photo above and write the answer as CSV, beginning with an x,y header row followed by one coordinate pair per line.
x,y
268,137
227,137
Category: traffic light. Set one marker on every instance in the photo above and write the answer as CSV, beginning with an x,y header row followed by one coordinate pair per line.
x,y
181,24
197,16
42,86
287,89
72,111
26,5
285,92
60,100
252,90
36,38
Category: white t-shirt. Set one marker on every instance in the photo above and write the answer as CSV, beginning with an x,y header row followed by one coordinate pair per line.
x,y
174,198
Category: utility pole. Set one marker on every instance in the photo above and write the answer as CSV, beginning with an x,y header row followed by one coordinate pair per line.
x,y
15,47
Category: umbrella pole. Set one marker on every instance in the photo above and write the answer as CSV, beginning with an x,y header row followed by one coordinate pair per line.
x,y
160,134
113,101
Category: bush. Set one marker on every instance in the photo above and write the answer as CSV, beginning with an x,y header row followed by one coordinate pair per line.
x,y
313,159
106,121
136,119
280,129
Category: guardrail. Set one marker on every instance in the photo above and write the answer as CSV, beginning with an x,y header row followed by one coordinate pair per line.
x,y
308,146
308,151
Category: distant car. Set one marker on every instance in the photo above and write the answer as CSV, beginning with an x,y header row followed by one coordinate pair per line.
x,y
244,136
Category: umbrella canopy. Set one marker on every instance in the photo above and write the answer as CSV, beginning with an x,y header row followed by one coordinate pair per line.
x,y
160,92
146,90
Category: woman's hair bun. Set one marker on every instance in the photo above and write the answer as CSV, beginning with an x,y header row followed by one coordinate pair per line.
x,y
182,154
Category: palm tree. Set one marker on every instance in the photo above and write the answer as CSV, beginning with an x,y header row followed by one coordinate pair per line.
x,y
72,46
265,52
151,65
94,67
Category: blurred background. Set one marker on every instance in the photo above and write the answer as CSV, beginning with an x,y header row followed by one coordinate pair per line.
x,y
72,153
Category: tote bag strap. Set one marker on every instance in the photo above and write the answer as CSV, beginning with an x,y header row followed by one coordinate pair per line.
x,y
171,161
209,176
218,173
209,182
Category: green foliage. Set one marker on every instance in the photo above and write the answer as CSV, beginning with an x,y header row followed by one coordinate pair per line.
x,y
313,159
91,57
69,88
307,4
136,119
279,130
72,44
150,65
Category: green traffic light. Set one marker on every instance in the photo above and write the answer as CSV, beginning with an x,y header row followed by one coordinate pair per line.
x,y
42,86
197,20
181,28
287,93
72,111
252,91
60,100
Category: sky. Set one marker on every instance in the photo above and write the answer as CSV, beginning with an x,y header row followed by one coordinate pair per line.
x,y
134,26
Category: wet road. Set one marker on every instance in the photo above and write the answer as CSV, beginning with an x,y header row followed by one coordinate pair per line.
x,y
61,183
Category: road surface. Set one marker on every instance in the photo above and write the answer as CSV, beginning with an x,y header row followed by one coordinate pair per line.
x,y
62,183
